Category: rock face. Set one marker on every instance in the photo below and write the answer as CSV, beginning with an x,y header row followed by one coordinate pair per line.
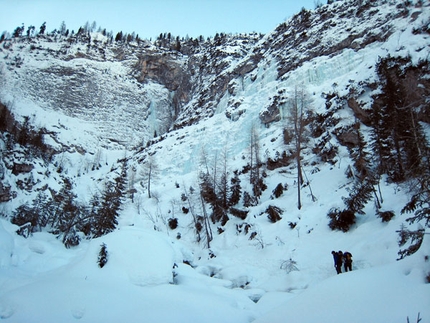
x,y
22,168
156,87
5,193
360,113
167,71
162,69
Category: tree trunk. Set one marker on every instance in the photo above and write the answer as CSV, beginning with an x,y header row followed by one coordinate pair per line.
x,y
149,180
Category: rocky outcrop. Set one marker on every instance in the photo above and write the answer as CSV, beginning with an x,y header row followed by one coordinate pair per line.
x,y
359,112
269,115
21,168
161,68
347,136
165,69
5,193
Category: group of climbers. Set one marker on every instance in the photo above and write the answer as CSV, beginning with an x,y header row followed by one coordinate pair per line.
x,y
340,258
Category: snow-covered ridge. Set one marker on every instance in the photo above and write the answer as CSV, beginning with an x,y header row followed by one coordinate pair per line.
x,y
96,80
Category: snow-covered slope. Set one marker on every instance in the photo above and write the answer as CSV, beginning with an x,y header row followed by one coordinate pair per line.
x,y
102,103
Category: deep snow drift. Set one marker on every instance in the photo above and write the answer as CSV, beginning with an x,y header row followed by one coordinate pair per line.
x,y
145,278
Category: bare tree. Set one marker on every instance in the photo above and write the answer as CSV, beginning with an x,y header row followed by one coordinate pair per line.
x,y
213,183
206,223
188,197
149,173
222,184
255,163
131,181
298,104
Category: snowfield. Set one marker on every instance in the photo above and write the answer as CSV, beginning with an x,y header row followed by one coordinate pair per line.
x,y
145,278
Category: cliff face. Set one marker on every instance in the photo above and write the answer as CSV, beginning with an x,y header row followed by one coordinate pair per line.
x,y
123,95
168,70
172,83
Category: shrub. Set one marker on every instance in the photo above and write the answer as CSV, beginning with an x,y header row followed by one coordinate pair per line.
x,y
277,192
249,200
243,227
289,265
341,220
274,213
71,239
25,215
415,239
241,214
103,255
385,216
173,223
199,224
25,230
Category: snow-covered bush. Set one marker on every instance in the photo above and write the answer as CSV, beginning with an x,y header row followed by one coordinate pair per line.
x,y
173,223
249,200
289,265
241,214
385,216
341,220
279,189
274,213
103,256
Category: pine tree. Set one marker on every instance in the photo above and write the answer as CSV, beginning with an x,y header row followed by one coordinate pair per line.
x,y
110,204
359,155
63,28
42,206
42,28
359,195
89,225
385,118
235,190
419,205
18,31
103,256
222,188
255,178
279,189
207,188
119,36
24,214
341,220
66,215
106,218
397,137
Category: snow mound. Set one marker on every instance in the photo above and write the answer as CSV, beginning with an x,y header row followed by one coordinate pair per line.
x,y
361,296
6,247
140,257
135,285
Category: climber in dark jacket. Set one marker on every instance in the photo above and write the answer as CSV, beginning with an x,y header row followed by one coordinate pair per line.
x,y
347,261
340,261
337,257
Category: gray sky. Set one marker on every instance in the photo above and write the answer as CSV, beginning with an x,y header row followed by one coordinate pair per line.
x,y
149,18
